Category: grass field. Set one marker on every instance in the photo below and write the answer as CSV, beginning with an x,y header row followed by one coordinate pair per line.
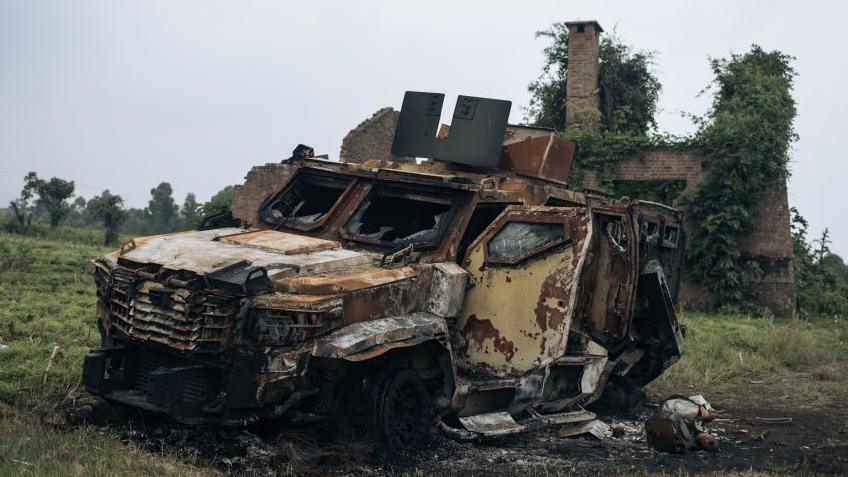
x,y
46,319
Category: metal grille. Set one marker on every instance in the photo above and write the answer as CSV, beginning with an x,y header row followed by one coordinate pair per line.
x,y
282,327
176,317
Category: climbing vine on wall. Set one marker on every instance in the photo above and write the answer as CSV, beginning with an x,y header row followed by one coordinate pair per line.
x,y
602,151
664,191
747,134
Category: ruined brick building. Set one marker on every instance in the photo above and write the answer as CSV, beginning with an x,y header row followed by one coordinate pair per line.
x,y
770,243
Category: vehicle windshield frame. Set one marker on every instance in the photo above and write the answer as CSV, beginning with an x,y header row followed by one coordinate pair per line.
x,y
347,183
453,199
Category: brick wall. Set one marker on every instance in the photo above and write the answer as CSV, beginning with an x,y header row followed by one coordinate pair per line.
x,y
259,184
770,243
659,164
372,138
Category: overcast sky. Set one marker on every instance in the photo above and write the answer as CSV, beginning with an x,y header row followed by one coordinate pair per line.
x,y
124,95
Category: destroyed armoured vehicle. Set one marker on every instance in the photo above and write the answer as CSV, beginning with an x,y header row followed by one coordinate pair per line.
x,y
472,291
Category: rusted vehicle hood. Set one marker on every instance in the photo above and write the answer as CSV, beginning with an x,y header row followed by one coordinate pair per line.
x,y
282,254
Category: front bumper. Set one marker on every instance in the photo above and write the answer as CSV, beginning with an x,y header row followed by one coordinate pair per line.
x,y
155,380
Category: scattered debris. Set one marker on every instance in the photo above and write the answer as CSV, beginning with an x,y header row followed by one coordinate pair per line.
x,y
3,347
679,425
773,420
597,428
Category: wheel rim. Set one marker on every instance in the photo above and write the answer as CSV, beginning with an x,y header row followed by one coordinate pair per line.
x,y
405,410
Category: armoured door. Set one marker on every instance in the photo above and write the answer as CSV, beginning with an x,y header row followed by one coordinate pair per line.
x,y
525,269
609,280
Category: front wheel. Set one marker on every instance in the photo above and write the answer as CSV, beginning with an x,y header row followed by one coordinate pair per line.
x,y
403,409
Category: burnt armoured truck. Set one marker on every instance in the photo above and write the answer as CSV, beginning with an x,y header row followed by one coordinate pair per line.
x,y
469,290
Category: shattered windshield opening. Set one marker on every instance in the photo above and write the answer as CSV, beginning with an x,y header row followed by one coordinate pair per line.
x,y
395,217
306,201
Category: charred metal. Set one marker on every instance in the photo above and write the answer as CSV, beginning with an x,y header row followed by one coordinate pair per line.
x,y
484,294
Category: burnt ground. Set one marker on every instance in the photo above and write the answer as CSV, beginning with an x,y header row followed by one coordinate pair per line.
x,y
815,442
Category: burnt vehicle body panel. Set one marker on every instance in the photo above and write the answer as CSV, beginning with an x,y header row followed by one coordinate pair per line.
x,y
503,298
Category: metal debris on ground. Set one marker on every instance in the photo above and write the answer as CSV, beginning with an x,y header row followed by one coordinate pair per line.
x,y
773,420
596,428
679,425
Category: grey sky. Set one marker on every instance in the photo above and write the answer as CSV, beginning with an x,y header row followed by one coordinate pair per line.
x,y
123,95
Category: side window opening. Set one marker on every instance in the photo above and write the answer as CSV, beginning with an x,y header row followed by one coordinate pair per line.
x,y
305,201
390,217
519,240
650,231
670,236
483,216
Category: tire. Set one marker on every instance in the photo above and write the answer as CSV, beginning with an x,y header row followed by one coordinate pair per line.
x,y
403,409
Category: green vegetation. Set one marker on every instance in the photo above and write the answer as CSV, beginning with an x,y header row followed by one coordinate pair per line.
x,y
47,297
52,198
109,209
628,89
29,448
746,134
53,205
821,276
47,320
662,191
803,360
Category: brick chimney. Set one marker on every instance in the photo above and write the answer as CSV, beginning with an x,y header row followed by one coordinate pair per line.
x,y
581,94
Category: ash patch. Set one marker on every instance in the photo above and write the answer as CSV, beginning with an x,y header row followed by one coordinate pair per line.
x,y
816,441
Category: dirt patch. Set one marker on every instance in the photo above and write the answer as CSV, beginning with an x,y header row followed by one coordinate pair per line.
x,y
816,441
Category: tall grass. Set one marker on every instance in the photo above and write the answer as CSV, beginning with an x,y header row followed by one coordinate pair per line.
x,y
90,235
723,353
46,299
29,448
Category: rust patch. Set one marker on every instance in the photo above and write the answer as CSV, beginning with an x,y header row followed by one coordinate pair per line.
x,y
481,330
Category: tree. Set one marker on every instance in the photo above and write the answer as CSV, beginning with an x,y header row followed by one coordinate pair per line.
x,y
220,202
547,94
823,248
821,278
109,209
138,222
835,265
162,208
52,195
628,89
18,207
189,210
